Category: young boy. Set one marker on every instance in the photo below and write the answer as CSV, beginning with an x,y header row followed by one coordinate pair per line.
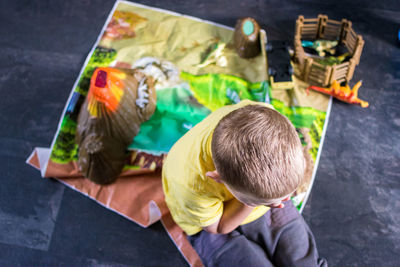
x,y
221,179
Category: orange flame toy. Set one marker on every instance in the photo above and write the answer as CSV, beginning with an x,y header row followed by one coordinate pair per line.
x,y
343,93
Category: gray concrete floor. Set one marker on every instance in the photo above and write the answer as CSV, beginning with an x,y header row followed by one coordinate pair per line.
x,y
354,209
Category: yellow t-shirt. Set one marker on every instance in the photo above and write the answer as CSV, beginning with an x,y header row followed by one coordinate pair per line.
x,y
196,201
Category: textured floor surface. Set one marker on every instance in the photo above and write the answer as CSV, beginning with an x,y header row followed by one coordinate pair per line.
x,y
354,209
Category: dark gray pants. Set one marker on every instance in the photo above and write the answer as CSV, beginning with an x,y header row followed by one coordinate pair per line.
x,y
279,238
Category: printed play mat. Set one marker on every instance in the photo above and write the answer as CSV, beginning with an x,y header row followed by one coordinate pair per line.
x,y
196,70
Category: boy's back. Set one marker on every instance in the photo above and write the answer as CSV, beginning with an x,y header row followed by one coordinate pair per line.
x,y
196,201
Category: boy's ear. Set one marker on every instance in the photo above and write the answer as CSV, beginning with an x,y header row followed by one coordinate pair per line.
x,y
215,176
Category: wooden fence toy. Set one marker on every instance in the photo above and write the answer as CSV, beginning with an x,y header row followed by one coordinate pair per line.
x,y
323,28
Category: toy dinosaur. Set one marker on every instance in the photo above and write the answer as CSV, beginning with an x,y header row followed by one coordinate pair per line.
x,y
343,93
321,46
118,101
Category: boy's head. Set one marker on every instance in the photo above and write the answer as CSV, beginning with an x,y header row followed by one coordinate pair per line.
x,y
258,155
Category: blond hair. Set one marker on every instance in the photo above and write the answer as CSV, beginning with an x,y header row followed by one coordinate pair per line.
x,y
257,151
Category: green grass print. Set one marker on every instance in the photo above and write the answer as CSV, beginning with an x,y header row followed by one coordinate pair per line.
x,y
217,90
65,149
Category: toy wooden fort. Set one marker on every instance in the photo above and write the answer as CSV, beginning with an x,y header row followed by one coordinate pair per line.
x,y
323,28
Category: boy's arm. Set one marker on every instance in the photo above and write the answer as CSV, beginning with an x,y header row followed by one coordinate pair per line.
x,y
234,214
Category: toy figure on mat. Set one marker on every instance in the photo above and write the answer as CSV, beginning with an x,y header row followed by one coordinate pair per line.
x,y
228,182
117,103
343,93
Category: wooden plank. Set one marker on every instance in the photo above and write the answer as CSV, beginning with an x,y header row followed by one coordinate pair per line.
x,y
328,75
331,36
314,77
333,26
334,22
306,31
349,45
341,80
310,21
304,35
303,32
317,75
351,39
342,66
307,68
309,36
310,26
340,74
314,80
319,66
332,30
318,72
309,30
353,34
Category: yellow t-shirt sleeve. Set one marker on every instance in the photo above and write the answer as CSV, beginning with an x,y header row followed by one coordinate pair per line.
x,y
200,210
